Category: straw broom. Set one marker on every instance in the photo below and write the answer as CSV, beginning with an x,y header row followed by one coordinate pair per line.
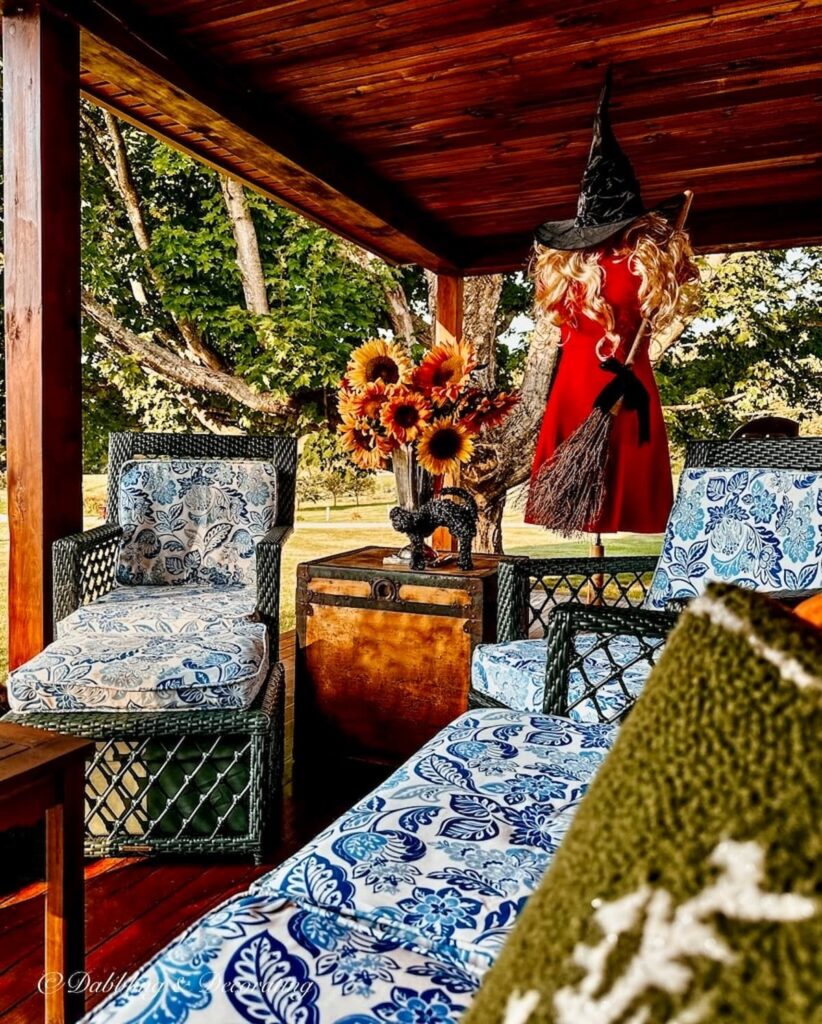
x,y
570,489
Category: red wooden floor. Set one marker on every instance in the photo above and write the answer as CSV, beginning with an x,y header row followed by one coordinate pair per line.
x,y
135,906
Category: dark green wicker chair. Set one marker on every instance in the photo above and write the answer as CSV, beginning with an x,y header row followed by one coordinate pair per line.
x,y
182,782
85,564
562,598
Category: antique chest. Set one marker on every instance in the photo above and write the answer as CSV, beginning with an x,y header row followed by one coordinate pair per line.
x,y
384,652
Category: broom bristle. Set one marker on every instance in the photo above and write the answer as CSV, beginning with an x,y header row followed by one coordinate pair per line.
x,y
568,493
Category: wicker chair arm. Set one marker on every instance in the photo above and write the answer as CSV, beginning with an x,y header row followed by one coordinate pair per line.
x,y
530,588
84,566
569,620
269,561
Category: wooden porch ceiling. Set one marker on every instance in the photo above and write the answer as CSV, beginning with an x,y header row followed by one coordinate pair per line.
x,y
441,131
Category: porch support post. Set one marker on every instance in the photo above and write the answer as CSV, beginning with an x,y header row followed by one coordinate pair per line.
x,y
41,118
448,327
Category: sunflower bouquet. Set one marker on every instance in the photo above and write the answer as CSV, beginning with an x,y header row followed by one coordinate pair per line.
x,y
432,411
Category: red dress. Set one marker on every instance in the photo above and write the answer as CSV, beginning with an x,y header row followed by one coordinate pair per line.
x,y
639,488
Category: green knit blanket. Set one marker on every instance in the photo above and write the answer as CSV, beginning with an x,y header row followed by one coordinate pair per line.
x,y
689,887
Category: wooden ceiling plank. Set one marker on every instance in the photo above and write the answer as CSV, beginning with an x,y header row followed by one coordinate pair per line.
x,y
535,39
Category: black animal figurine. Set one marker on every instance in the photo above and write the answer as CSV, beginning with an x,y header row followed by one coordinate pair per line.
x,y
460,519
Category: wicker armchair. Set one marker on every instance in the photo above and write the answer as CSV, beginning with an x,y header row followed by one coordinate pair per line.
x,y
85,564
202,780
593,614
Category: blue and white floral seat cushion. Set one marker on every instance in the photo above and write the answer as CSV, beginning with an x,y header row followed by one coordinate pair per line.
x,y
144,672
193,520
393,914
758,528
189,609
259,958
514,674
444,854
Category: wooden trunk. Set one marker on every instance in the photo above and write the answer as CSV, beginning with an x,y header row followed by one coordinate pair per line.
x,y
384,652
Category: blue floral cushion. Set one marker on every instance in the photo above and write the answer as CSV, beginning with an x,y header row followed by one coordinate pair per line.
x,y
136,672
259,958
188,609
193,520
514,674
444,854
758,528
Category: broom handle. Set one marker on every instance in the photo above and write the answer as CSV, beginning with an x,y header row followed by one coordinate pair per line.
x,y
633,352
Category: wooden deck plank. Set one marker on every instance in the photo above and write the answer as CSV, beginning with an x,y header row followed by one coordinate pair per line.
x,y
135,906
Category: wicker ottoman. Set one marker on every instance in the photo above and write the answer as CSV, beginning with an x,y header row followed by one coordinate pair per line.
x,y
196,782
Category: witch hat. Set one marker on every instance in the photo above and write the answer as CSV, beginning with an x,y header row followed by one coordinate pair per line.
x,y
609,194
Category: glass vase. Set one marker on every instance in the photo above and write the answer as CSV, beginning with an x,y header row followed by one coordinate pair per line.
x,y
415,486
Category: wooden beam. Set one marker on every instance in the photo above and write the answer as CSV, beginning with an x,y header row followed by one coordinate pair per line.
x,y
448,327
308,169
41,119
448,323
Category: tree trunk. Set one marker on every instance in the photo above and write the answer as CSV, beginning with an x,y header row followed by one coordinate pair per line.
x,y
120,173
489,524
248,249
482,295
502,458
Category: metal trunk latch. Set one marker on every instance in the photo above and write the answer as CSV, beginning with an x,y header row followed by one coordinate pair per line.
x,y
384,590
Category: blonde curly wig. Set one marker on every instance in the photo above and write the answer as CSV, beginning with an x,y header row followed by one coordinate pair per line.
x,y
571,281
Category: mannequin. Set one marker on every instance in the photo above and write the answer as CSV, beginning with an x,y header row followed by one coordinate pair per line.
x,y
599,297
609,278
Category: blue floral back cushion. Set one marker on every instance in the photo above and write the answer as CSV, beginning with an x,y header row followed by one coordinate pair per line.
x,y
193,520
758,528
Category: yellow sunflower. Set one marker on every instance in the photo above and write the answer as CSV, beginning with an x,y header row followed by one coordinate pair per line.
x,y
404,415
378,360
443,445
363,446
446,368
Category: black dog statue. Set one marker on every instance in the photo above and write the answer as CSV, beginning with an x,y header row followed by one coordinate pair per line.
x,y
460,519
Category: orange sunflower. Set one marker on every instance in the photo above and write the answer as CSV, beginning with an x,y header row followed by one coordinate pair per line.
x,y
363,446
378,360
405,414
489,411
446,368
443,445
368,403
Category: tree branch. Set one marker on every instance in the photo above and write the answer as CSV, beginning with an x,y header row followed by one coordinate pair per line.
x,y
205,419
154,356
404,322
700,406
120,173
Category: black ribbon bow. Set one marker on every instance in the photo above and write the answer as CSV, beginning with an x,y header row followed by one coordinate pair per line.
x,y
626,386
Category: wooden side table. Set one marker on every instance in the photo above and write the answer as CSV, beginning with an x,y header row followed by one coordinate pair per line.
x,y
384,652
41,776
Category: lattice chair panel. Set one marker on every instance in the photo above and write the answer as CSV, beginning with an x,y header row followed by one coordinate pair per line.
x,y
599,659
181,782
531,588
84,567
144,793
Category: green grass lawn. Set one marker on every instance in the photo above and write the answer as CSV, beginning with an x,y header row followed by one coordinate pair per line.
x,y
320,532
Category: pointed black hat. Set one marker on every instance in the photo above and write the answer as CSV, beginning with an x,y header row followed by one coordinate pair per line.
x,y
609,194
